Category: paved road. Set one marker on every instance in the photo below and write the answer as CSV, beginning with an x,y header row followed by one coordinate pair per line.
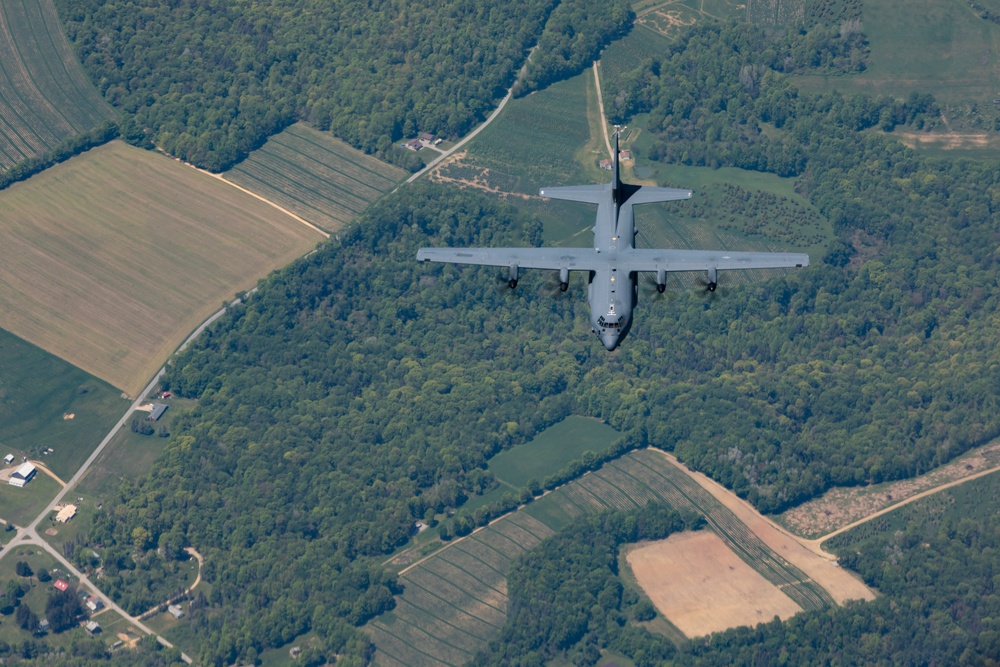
x,y
600,103
29,534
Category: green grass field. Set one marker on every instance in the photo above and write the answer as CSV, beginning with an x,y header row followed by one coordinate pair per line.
x,y
112,258
551,450
455,601
319,178
20,505
45,98
534,142
37,392
935,46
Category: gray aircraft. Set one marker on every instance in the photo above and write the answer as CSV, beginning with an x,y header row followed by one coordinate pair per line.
x,y
614,263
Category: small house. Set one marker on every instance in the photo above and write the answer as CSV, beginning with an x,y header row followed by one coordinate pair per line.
x,y
66,513
157,411
94,603
8,459
414,144
625,155
176,611
43,627
427,136
93,627
24,473
60,585
606,165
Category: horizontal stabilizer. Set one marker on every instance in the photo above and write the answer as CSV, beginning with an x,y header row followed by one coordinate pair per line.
x,y
588,194
648,195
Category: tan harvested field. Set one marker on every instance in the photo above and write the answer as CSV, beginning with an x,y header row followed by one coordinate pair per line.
x,y
839,507
111,259
681,573
818,566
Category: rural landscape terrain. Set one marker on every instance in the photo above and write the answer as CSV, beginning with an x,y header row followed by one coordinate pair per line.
x,y
242,425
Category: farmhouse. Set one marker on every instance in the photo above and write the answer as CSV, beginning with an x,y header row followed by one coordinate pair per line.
x,y
427,136
414,144
157,411
66,513
607,165
23,474
625,155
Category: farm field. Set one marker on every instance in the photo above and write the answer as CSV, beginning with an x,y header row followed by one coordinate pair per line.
x,y
454,601
45,402
551,449
112,258
45,98
319,178
702,567
841,506
928,46
533,143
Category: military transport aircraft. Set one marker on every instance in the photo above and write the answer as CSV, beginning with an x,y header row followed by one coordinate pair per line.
x,y
614,263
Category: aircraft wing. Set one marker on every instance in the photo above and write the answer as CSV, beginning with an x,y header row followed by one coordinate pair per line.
x,y
703,260
574,259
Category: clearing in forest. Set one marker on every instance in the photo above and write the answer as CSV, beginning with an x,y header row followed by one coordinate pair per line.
x,y
112,258
683,571
315,176
841,506
45,98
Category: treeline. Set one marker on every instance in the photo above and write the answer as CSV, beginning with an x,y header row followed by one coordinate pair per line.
x,y
90,652
574,35
210,80
566,598
25,169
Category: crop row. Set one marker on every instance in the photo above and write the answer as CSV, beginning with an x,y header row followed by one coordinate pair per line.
x,y
46,98
736,534
340,174
326,149
415,647
299,184
327,214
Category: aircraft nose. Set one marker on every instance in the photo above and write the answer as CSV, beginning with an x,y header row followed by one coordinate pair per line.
x,y
610,340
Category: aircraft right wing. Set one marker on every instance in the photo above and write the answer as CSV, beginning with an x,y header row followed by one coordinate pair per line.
x,y
703,260
573,259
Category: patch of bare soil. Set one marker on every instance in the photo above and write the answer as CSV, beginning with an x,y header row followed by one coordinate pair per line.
x,y
702,586
821,568
839,507
947,140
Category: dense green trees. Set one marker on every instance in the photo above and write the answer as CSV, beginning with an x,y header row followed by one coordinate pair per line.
x,y
573,37
566,597
210,80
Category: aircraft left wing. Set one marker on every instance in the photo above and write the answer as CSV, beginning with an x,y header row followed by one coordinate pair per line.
x,y
573,259
704,260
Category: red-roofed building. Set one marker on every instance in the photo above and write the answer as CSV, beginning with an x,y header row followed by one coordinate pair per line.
x,y
60,585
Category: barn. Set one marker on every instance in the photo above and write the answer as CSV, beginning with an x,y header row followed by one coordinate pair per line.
x,y
23,474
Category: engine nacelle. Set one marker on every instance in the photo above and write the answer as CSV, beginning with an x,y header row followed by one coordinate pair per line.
x,y
713,279
512,276
661,281
563,280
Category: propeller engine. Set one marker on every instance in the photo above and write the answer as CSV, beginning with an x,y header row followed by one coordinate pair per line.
x,y
512,276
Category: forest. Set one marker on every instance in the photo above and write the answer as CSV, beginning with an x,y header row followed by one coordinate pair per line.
x,y
209,80
357,391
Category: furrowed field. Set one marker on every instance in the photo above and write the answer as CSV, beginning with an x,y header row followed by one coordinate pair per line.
x,y
319,178
111,259
45,98
455,601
